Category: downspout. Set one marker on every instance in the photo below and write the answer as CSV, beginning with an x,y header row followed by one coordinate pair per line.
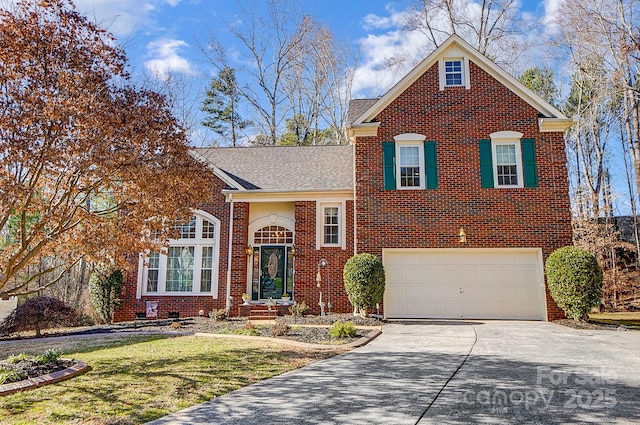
x,y
355,222
229,254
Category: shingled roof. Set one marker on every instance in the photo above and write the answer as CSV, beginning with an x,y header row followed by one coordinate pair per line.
x,y
357,107
285,168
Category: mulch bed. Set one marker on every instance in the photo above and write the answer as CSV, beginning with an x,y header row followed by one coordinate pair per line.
x,y
207,325
32,369
570,323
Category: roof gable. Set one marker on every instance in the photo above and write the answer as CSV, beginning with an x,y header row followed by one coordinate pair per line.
x,y
456,46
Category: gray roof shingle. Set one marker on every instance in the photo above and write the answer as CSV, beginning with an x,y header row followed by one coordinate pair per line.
x,y
357,107
285,168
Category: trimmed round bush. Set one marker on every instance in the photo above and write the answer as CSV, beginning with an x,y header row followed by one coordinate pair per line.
x,y
574,278
364,280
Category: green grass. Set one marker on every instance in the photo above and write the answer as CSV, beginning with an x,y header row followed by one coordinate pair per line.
x,y
135,379
629,319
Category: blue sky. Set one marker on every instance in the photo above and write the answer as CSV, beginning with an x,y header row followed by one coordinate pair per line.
x,y
164,35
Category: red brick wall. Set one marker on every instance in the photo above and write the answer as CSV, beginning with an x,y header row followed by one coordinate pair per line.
x,y
457,119
307,259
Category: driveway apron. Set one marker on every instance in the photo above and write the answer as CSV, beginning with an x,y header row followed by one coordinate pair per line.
x,y
388,381
450,372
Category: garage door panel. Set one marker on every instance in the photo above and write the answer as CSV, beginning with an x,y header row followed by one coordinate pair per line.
x,y
464,283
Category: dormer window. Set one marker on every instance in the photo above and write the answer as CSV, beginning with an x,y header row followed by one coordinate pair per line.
x,y
454,72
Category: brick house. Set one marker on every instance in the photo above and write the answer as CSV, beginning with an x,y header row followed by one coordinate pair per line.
x,y
456,178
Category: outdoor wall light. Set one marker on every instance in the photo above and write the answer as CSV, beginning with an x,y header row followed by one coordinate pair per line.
x,y
249,250
293,250
463,236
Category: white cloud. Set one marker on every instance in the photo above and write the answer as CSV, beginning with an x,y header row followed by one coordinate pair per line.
x,y
123,17
166,58
551,12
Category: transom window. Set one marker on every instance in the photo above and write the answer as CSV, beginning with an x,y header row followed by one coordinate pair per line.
x,y
189,264
453,72
273,235
507,163
331,225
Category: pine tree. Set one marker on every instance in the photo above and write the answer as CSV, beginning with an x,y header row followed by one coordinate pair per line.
x,y
221,106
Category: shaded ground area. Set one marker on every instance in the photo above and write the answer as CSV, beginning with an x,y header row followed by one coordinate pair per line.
x,y
297,329
457,372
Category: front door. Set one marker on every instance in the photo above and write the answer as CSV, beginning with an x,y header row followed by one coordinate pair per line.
x,y
272,268
272,274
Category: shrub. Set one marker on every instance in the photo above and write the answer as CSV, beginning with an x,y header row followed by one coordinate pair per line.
x,y
49,356
279,329
9,376
298,309
218,314
105,285
364,281
39,313
574,279
341,329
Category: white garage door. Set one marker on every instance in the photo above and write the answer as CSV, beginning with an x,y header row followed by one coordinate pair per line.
x,y
464,283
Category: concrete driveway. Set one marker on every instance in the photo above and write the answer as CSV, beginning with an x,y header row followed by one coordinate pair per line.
x,y
450,372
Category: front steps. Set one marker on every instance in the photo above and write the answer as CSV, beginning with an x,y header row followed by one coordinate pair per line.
x,y
262,312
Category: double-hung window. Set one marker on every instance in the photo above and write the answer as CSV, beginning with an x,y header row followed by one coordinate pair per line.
x,y
508,164
410,163
189,264
409,167
508,161
410,172
330,224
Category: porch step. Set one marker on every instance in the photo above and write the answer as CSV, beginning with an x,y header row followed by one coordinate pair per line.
x,y
263,314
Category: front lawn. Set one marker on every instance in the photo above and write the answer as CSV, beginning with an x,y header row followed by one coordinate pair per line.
x,y
628,319
138,378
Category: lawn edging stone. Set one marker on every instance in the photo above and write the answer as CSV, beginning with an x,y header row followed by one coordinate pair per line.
x,y
50,378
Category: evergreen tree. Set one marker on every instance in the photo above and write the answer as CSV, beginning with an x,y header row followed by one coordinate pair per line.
x,y
540,81
221,106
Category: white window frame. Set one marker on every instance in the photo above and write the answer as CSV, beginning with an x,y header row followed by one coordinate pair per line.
x,y
198,243
410,140
342,228
464,63
503,138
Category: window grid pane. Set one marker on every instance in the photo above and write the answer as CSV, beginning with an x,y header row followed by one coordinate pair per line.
x,y
180,269
453,73
273,235
152,272
208,229
409,166
206,269
506,165
331,226
188,230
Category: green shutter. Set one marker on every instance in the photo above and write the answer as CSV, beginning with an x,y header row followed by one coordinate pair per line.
x,y
388,157
529,162
431,164
486,164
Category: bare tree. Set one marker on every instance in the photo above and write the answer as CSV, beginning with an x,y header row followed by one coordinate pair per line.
x,y
268,46
488,25
319,83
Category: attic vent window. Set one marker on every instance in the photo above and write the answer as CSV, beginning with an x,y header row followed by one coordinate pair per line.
x,y
453,73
